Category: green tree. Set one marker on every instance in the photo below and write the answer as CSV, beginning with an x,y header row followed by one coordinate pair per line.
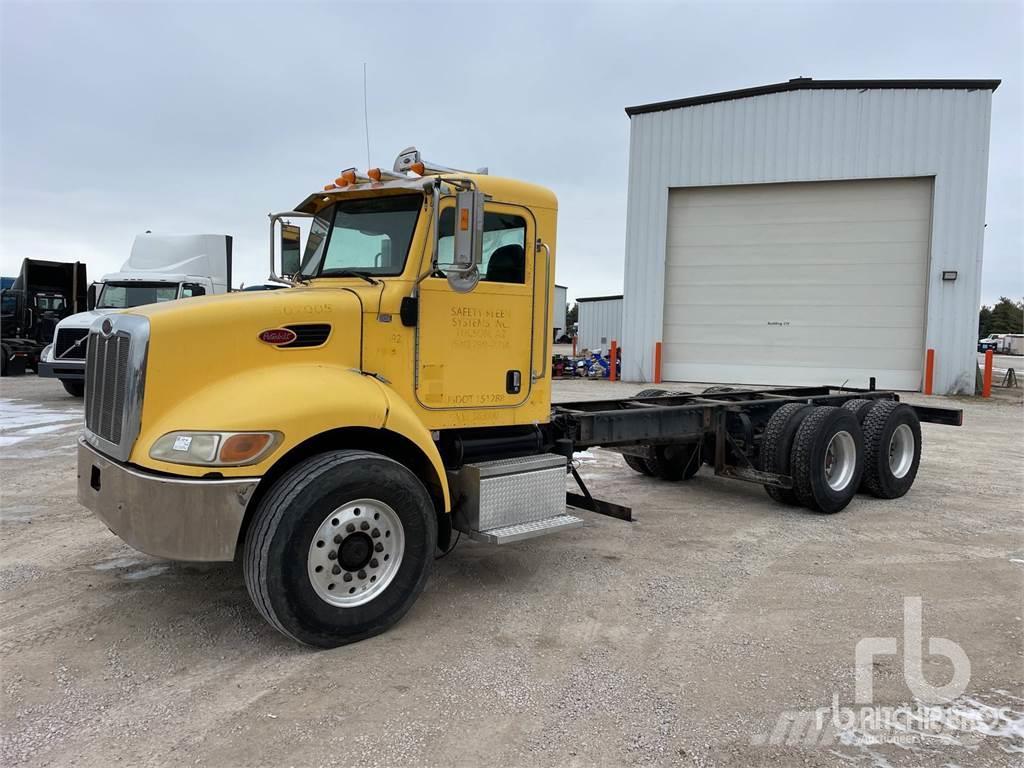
x,y
573,315
1007,316
984,321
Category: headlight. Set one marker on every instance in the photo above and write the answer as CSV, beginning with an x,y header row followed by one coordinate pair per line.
x,y
215,449
46,354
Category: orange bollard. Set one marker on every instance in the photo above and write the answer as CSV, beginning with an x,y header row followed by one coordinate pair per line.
x,y
574,346
929,370
986,379
657,362
613,356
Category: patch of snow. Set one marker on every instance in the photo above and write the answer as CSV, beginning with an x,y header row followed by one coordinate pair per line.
x,y
145,573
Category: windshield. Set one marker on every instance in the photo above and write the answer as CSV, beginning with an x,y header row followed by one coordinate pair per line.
x,y
50,302
370,235
134,294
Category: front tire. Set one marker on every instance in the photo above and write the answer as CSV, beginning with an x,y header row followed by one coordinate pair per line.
x,y
346,504
74,388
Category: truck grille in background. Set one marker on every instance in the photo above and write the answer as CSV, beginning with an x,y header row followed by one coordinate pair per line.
x,y
106,384
66,339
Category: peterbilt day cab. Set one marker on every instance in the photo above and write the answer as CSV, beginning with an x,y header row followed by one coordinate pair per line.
x,y
159,268
337,434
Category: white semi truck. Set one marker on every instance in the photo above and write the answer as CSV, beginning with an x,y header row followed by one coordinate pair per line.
x,y
160,268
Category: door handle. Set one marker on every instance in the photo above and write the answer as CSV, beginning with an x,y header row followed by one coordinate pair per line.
x,y
513,382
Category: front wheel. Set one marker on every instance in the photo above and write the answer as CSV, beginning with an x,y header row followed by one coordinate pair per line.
x,y
340,547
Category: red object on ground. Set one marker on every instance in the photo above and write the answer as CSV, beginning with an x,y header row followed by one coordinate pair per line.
x,y
929,370
657,362
613,355
986,379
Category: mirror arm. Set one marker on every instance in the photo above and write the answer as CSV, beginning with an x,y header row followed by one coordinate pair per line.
x,y
274,218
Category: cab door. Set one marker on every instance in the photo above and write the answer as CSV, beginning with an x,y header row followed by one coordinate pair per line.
x,y
474,349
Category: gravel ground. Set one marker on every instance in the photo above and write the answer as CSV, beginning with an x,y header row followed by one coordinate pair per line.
x,y
684,638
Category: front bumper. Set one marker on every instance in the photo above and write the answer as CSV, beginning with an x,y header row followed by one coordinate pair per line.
x,y
71,370
175,518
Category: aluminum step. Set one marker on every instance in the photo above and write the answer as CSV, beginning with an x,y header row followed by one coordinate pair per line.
x,y
510,533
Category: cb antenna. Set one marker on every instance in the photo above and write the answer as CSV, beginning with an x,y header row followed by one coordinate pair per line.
x,y
366,120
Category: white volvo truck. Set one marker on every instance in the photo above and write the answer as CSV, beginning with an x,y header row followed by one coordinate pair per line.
x,y
160,268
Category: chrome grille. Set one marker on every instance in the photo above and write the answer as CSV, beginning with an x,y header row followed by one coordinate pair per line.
x,y
106,387
64,345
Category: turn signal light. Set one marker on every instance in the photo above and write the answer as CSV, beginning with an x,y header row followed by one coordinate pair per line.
x,y
329,187
340,182
238,449
418,168
374,173
349,176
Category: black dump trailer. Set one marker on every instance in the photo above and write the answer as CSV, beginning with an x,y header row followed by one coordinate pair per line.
x,y
815,447
44,293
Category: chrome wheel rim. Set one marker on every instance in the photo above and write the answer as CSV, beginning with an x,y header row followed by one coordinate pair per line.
x,y
901,450
840,460
355,553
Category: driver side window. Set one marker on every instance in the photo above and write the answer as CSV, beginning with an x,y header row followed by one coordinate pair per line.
x,y
504,250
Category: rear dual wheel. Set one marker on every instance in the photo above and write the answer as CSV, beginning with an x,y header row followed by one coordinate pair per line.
x,y
827,461
869,445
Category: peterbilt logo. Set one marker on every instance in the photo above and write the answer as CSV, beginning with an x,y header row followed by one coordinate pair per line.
x,y
106,327
277,336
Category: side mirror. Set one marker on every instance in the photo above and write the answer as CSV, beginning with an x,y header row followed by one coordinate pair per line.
x,y
91,294
291,251
468,242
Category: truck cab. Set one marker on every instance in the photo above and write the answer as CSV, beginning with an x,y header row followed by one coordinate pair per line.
x,y
160,268
326,419
33,305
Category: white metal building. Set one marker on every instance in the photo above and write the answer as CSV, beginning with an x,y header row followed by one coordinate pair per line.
x,y
808,232
559,310
600,322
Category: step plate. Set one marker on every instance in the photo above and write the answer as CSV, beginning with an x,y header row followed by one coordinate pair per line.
x,y
511,533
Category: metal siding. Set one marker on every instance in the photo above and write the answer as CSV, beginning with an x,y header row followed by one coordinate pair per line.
x,y
599,319
818,135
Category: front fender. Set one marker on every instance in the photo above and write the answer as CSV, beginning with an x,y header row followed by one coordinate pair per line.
x,y
298,400
401,419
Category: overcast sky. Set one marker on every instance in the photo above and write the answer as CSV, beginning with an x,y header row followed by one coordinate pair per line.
x,y
118,118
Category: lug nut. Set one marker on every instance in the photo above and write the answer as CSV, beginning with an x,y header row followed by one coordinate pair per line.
x,y
374,563
350,527
364,526
332,555
362,574
337,538
378,547
335,570
375,533
347,577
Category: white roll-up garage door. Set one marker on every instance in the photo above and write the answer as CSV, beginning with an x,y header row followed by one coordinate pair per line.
x,y
798,284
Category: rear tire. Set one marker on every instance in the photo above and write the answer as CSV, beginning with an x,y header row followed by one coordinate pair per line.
x,y
637,464
859,408
827,459
675,462
777,445
282,547
74,388
892,449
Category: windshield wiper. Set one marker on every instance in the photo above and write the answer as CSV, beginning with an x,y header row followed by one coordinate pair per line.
x,y
349,273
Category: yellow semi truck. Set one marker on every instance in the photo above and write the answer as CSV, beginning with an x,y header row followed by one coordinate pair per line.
x,y
338,434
